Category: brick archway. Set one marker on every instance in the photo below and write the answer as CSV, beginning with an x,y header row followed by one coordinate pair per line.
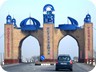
x,y
79,39
20,47
84,38
13,38
69,45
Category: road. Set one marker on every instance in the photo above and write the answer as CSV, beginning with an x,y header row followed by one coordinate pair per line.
x,y
77,67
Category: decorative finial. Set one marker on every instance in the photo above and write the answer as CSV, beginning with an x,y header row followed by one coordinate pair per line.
x,y
29,14
87,19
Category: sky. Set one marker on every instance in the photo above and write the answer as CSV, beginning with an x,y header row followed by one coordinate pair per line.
x,y
21,9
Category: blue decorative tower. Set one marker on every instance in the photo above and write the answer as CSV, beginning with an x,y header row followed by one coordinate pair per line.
x,y
14,22
87,19
48,16
48,31
8,19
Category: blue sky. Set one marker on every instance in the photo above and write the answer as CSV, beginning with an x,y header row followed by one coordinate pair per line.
x,y
21,9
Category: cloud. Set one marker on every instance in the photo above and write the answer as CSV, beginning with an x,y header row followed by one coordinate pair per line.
x,y
2,2
93,1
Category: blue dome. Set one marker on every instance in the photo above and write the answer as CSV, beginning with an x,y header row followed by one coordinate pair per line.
x,y
13,20
88,16
24,25
9,17
87,19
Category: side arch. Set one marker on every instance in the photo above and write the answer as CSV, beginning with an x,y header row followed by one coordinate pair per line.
x,y
20,46
68,45
19,36
78,35
78,44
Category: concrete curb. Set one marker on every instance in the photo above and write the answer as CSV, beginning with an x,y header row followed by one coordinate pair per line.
x,y
10,65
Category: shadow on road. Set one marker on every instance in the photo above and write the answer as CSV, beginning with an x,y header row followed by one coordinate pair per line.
x,y
53,70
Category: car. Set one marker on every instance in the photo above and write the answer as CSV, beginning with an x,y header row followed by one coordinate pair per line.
x,y
64,62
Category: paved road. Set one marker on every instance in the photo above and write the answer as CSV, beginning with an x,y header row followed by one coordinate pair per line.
x,y
78,67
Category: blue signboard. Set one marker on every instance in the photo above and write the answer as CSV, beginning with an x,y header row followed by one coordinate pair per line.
x,y
42,57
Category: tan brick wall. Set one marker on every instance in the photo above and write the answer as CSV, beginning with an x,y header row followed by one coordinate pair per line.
x,y
88,29
45,40
57,37
8,41
16,36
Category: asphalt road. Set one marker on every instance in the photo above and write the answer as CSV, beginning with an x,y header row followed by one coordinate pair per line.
x,y
77,67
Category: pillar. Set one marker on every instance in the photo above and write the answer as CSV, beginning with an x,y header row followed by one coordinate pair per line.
x,y
88,35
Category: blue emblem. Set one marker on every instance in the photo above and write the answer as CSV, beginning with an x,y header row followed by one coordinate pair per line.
x,y
48,16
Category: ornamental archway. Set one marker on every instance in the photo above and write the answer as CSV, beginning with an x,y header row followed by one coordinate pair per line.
x,y
49,36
